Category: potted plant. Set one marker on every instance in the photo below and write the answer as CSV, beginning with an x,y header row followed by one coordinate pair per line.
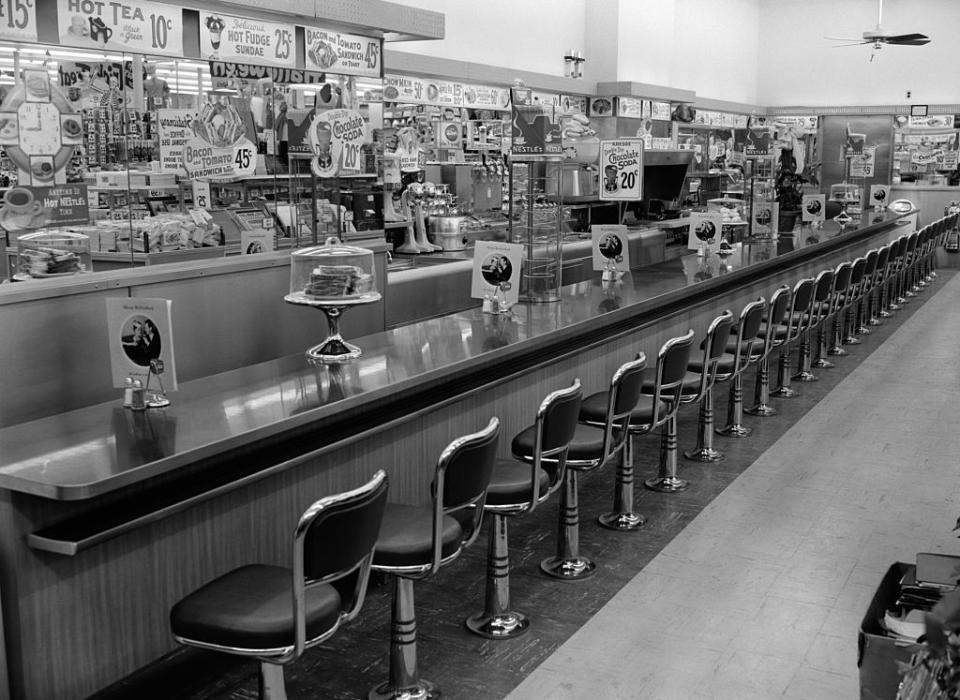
x,y
789,189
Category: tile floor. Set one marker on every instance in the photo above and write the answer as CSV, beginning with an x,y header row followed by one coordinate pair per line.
x,y
760,596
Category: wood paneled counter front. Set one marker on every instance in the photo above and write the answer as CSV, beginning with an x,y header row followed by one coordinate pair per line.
x,y
108,516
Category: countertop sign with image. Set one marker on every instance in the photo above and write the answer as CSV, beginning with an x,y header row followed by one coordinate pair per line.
x,y
229,38
621,169
496,271
813,207
141,27
705,231
18,20
879,196
349,54
140,330
611,250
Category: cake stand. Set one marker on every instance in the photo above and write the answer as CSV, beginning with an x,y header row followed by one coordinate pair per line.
x,y
334,349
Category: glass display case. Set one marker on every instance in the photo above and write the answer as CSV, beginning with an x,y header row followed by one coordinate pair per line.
x,y
52,254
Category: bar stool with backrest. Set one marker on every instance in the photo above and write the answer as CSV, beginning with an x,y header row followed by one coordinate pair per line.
x,y
773,332
846,303
876,299
714,363
861,312
274,613
518,486
793,327
746,349
906,271
416,541
819,305
894,300
664,391
601,435
830,309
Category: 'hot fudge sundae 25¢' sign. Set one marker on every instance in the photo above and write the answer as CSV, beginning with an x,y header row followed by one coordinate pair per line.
x,y
228,38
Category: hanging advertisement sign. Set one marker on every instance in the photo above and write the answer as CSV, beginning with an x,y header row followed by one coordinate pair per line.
x,y
660,110
629,107
18,20
248,40
621,169
755,141
348,54
335,138
173,132
226,69
428,91
484,97
863,165
535,130
219,148
140,27
90,85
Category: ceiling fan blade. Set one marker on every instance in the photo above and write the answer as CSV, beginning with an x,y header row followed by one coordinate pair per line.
x,y
857,43
844,38
906,38
909,42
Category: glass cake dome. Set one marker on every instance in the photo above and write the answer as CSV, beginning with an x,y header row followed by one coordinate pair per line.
x,y
333,271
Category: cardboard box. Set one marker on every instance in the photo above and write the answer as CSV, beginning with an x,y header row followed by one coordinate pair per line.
x,y
878,654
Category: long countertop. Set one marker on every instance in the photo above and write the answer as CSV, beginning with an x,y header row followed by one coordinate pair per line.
x,y
98,449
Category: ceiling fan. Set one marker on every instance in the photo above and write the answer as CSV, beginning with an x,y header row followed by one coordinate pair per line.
x,y
878,37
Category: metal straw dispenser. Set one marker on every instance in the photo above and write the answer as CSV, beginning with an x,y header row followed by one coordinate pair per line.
x,y
535,223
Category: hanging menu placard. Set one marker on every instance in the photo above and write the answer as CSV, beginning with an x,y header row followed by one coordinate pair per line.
x,y
245,71
140,27
428,91
621,169
249,40
18,20
173,131
349,54
629,107
486,97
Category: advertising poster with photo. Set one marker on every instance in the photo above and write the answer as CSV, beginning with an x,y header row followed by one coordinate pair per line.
x,y
764,218
219,148
227,38
336,136
496,271
140,27
621,169
140,331
482,97
879,196
29,208
630,107
254,241
535,127
611,250
813,208
705,231
754,142
347,54
862,165
93,84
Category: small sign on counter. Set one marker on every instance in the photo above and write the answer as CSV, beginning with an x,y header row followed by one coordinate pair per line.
x,y
879,196
704,231
813,208
496,273
140,331
611,250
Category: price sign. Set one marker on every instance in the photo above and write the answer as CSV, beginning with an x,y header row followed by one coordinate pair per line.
x,y
621,169
201,194
141,27
202,160
18,20
335,138
228,38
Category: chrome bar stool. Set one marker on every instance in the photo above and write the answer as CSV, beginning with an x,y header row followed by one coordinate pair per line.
x,y
846,304
716,362
664,393
416,541
895,299
614,410
814,316
876,300
795,324
773,332
601,434
906,271
518,487
826,310
862,310
746,350
272,613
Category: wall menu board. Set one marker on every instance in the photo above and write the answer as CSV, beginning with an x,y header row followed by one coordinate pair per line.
x,y
486,97
350,54
224,37
18,20
428,91
140,27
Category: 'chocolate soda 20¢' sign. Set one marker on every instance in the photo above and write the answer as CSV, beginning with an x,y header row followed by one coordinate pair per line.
x,y
335,138
141,26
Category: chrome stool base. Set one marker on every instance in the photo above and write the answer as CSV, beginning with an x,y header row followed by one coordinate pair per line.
x,y
623,522
805,376
785,392
854,340
761,409
821,363
667,484
704,454
502,626
424,690
736,431
838,351
568,569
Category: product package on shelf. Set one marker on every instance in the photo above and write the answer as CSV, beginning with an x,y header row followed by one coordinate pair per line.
x,y
165,232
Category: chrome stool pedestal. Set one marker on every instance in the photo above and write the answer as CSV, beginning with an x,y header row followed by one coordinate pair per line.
x,y
623,517
498,621
705,451
567,564
735,426
667,480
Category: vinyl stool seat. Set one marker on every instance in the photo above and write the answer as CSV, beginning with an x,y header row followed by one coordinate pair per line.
x,y
406,536
586,443
510,482
252,608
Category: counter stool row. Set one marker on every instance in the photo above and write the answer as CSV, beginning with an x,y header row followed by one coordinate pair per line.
x,y
274,613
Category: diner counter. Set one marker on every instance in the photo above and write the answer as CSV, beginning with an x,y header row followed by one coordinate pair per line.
x,y
91,451
109,516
